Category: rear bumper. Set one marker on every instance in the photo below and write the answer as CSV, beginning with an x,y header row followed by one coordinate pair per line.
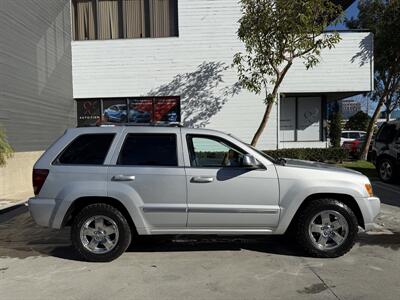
x,y
42,210
370,210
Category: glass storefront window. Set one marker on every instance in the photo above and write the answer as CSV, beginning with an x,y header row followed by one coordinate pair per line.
x,y
88,111
167,110
114,110
141,110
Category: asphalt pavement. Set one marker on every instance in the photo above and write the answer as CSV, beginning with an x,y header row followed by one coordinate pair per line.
x,y
39,263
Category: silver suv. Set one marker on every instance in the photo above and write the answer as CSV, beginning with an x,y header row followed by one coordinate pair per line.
x,y
112,183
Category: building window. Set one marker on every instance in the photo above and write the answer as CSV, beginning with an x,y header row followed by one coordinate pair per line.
x,y
114,19
301,119
143,110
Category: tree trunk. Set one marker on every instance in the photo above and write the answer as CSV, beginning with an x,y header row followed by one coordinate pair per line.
x,y
370,130
264,122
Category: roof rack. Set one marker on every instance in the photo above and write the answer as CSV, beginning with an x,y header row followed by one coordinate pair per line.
x,y
157,124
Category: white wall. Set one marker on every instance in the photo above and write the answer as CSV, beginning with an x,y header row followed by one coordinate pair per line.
x,y
345,68
36,103
170,66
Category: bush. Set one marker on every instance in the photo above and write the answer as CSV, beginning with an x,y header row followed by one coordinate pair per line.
x,y
313,154
5,149
335,129
359,121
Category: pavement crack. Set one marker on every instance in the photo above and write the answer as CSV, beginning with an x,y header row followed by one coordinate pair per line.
x,y
322,281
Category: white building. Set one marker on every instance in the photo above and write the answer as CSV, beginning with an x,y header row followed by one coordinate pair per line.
x,y
69,63
190,57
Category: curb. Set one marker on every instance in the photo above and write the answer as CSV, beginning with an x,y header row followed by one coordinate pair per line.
x,y
14,205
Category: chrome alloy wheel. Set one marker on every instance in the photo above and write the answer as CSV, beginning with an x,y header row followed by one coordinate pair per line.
x,y
386,170
328,230
99,234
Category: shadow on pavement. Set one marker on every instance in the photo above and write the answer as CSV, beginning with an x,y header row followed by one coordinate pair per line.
x,y
21,238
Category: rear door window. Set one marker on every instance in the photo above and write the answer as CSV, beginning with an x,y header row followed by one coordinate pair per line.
x,y
86,149
149,150
354,135
387,133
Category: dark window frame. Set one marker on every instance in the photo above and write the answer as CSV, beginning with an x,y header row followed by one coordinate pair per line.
x,y
57,162
126,101
118,164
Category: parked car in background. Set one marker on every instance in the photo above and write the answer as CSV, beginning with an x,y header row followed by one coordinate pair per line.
x,y
354,147
109,183
386,151
351,135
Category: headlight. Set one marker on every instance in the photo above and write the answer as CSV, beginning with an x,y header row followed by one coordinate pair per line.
x,y
368,187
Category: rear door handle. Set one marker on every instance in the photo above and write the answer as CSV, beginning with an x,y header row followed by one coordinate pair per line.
x,y
123,178
201,179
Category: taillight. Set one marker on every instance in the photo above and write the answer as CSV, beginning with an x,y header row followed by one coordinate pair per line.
x,y
38,178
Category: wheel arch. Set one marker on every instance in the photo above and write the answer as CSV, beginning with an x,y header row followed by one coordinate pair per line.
x,y
344,198
78,204
384,156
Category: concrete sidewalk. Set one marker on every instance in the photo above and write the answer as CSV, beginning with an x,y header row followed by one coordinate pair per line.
x,y
15,199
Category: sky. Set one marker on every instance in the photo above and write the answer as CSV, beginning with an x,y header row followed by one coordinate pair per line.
x,y
352,11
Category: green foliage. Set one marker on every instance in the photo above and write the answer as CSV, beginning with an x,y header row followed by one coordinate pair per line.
x,y
313,154
275,33
382,17
5,149
335,129
359,121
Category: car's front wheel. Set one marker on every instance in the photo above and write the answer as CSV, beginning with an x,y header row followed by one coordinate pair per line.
x,y
386,170
100,233
326,228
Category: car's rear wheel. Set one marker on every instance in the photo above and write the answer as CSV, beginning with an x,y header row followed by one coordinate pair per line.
x,y
386,170
100,233
326,228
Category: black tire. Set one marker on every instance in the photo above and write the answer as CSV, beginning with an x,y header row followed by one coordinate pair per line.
x,y
305,217
101,209
380,165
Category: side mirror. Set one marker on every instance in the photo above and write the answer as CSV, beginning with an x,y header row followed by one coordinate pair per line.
x,y
250,161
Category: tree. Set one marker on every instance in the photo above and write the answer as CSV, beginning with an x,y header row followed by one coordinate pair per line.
x,y
5,149
382,17
275,33
335,129
359,121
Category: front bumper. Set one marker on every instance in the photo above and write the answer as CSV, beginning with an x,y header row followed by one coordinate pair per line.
x,y
370,210
42,210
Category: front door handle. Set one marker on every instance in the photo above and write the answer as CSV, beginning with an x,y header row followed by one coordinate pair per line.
x,y
201,179
123,178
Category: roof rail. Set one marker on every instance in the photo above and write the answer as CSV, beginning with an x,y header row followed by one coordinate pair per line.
x,y
157,124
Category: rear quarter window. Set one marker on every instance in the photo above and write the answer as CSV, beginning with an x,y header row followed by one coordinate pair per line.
x,y
86,149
